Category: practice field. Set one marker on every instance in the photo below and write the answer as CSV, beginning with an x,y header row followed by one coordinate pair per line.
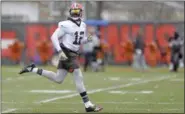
x,y
118,89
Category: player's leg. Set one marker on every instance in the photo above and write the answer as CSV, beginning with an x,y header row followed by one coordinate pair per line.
x,y
134,61
86,62
175,62
176,65
94,63
56,77
137,61
171,63
78,78
72,65
181,61
143,62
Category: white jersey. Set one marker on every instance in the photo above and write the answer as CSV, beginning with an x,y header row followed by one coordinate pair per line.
x,y
70,35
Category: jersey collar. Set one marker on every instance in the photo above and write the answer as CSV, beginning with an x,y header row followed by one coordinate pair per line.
x,y
78,24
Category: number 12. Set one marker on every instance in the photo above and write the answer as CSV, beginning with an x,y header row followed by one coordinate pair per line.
x,y
78,37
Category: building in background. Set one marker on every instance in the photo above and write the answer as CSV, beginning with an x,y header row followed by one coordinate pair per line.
x,y
125,18
20,11
107,10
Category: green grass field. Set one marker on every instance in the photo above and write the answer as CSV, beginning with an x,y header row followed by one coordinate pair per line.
x,y
117,90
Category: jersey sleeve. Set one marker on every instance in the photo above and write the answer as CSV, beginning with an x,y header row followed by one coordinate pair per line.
x,y
59,32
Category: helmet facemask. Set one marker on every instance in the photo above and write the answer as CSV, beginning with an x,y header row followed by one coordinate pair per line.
x,y
75,11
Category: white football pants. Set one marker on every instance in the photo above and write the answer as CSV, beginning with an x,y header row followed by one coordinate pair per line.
x,y
62,73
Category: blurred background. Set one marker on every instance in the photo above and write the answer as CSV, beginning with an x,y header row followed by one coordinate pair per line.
x,y
27,27
126,66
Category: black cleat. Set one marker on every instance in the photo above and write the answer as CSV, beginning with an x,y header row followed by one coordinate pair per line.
x,y
27,68
93,109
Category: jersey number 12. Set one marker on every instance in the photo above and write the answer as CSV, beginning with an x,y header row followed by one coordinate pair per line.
x,y
78,37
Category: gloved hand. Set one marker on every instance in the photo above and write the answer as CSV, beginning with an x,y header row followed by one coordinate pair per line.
x,y
62,56
89,38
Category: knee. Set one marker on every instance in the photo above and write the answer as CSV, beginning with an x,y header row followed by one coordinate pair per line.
x,y
58,79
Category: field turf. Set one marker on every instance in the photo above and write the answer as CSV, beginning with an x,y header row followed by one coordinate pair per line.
x,y
118,90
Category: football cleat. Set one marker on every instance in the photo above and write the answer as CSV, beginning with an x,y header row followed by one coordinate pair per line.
x,y
93,109
27,68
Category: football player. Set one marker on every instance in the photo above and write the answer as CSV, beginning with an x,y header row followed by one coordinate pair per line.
x,y
176,44
67,39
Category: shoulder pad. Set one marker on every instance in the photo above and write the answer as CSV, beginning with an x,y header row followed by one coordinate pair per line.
x,y
83,23
63,23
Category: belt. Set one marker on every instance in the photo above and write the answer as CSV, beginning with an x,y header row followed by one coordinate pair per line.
x,y
67,49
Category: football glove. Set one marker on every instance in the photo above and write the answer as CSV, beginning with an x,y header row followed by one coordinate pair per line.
x,y
89,38
62,56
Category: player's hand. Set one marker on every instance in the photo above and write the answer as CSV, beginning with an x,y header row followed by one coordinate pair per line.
x,y
62,56
89,38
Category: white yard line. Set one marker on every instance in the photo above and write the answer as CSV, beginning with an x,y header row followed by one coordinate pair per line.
x,y
107,102
9,110
18,78
177,80
28,77
52,91
131,92
107,89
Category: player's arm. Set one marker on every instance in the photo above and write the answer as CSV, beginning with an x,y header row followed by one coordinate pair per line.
x,y
54,38
87,39
59,32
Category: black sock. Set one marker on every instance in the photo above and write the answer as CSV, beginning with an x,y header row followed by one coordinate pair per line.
x,y
39,71
84,97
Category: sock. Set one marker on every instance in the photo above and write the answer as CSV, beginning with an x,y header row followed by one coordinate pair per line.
x,y
37,70
34,70
86,99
